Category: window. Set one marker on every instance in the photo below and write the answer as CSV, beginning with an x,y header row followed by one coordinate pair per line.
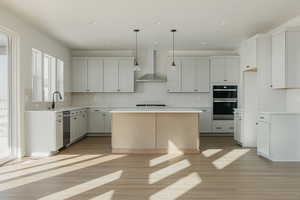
x,y
37,76
47,76
60,76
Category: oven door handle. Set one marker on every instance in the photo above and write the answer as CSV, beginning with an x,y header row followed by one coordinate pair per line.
x,y
225,90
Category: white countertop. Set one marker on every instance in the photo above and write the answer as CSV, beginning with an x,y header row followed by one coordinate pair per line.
x,y
280,113
128,109
157,110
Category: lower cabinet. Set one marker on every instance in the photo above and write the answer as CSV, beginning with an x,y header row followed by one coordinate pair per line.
x,y
99,121
263,138
238,132
59,131
205,119
223,126
78,125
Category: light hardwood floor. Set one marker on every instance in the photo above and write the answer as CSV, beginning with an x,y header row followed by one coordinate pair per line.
x,y
88,170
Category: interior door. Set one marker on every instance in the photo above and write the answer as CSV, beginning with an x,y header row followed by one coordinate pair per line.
x,y
5,131
95,75
111,78
126,76
79,75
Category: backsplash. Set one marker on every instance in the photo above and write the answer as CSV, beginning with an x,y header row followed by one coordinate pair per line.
x,y
30,105
145,93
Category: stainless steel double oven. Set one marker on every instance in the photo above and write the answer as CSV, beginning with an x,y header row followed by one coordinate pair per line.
x,y
225,100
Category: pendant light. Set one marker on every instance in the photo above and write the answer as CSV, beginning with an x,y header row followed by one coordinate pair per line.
x,y
173,65
136,63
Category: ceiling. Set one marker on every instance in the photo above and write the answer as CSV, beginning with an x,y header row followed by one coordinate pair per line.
x,y
108,24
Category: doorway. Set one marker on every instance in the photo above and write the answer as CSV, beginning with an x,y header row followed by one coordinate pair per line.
x,y
5,111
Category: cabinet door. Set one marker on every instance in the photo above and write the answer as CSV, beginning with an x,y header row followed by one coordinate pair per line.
x,y
59,134
251,53
205,119
232,73
85,121
79,75
174,78
107,122
73,125
126,76
188,75
96,121
202,75
111,78
278,61
218,70
95,75
263,138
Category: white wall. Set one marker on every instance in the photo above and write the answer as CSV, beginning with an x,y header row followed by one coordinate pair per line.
x,y
29,38
146,92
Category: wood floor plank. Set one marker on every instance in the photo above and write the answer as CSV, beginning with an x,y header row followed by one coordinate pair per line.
x,y
89,171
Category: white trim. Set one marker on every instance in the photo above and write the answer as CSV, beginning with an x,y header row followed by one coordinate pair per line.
x,y
16,103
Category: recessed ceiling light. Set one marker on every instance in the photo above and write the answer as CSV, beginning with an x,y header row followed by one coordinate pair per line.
x,y
223,23
156,43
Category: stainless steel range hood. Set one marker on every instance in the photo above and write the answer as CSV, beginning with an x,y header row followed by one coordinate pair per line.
x,y
153,76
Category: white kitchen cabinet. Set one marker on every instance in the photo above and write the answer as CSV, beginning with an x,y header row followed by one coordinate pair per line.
x,y
99,121
263,138
202,75
59,131
95,121
278,136
174,78
218,69
95,75
111,75
107,122
125,76
238,133
79,75
285,59
223,126
205,120
190,75
73,128
51,139
225,69
99,74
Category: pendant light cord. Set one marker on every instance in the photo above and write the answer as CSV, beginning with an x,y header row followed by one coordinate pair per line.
x,y
173,48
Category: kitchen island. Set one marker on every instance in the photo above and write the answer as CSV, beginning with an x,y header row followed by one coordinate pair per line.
x,y
155,130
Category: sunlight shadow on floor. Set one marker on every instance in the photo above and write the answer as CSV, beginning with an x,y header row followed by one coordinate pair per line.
x,y
168,171
42,168
178,188
55,172
229,158
164,158
106,196
33,162
81,188
210,152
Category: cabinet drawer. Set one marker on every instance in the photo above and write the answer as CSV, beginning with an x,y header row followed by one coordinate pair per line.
x,y
263,118
223,126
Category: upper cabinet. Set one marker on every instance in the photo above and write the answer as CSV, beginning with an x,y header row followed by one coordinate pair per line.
x,y
190,75
225,69
286,59
248,53
102,75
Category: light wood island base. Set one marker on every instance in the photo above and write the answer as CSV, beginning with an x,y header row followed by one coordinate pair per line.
x,y
155,133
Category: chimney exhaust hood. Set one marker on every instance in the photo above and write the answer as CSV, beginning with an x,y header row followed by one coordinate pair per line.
x,y
153,76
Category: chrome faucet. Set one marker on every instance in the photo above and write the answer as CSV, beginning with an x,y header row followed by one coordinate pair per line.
x,y
53,99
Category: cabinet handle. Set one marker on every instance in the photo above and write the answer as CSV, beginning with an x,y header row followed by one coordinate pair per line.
x,y
261,118
225,80
118,90
204,110
247,66
218,128
231,127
